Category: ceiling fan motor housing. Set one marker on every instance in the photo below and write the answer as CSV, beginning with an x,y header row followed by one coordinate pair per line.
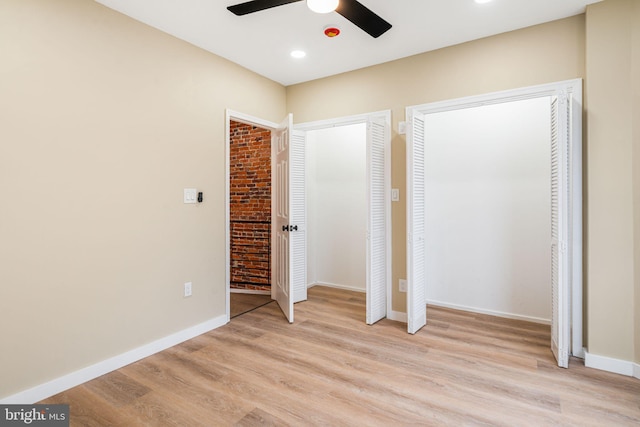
x,y
354,11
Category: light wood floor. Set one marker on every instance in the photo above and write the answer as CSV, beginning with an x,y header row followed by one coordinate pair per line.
x,y
329,368
244,303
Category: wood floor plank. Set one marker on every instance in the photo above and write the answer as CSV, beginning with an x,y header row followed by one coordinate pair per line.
x,y
347,374
258,417
330,368
243,303
164,372
293,376
88,409
117,388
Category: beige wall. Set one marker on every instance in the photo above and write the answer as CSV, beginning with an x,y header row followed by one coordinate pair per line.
x,y
535,55
103,122
610,165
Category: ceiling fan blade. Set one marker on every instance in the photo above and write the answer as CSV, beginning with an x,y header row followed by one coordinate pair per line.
x,y
257,6
363,17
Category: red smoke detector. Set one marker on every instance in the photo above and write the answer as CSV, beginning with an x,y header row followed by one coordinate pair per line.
x,y
331,32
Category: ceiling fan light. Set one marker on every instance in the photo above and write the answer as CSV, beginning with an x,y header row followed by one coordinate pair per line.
x,y
322,6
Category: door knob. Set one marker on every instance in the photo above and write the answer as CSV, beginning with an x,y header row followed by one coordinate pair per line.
x,y
294,228
285,228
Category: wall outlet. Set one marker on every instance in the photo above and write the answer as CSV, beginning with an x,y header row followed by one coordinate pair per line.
x,y
403,285
187,289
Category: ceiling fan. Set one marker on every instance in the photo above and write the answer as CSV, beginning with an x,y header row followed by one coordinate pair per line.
x,y
353,10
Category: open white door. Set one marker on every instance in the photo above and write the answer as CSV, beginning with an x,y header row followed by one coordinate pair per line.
x,y
416,292
560,306
298,213
281,222
378,199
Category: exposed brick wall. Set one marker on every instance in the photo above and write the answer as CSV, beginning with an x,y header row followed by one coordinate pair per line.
x,y
250,209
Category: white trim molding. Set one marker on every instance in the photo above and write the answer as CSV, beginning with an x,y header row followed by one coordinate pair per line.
x,y
337,286
636,370
249,291
58,385
397,316
610,364
250,120
490,312
343,121
579,353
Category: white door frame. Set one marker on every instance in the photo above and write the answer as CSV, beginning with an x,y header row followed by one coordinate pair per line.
x,y
322,124
360,119
250,120
569,89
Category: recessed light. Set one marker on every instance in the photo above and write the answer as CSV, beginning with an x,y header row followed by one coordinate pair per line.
x,y
482,1
298,54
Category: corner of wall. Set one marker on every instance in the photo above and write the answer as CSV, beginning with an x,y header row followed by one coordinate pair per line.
x,y
65,382
611,274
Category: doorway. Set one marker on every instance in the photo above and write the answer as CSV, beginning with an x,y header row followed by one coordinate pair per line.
x,y
378,243
565,240
250,208
377,220
337,207
247,213
487,172
250,217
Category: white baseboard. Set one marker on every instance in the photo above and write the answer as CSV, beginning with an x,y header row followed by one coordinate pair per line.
x,y
336,286
609,364
490,312
81,376
397,316
636,370
249,291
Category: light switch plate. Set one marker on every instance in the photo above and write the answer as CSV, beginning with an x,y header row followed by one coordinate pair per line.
x,y
402,128
395,195
190,195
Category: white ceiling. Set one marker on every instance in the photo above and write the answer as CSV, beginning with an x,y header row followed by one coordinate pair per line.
x,y
262,41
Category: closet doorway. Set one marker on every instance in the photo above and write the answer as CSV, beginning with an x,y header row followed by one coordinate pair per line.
x,y
337,206
348,161
562,103
377,218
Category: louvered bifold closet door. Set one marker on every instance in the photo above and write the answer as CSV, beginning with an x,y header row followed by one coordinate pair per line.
x,y
298,235
376,225
559,192
416,275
